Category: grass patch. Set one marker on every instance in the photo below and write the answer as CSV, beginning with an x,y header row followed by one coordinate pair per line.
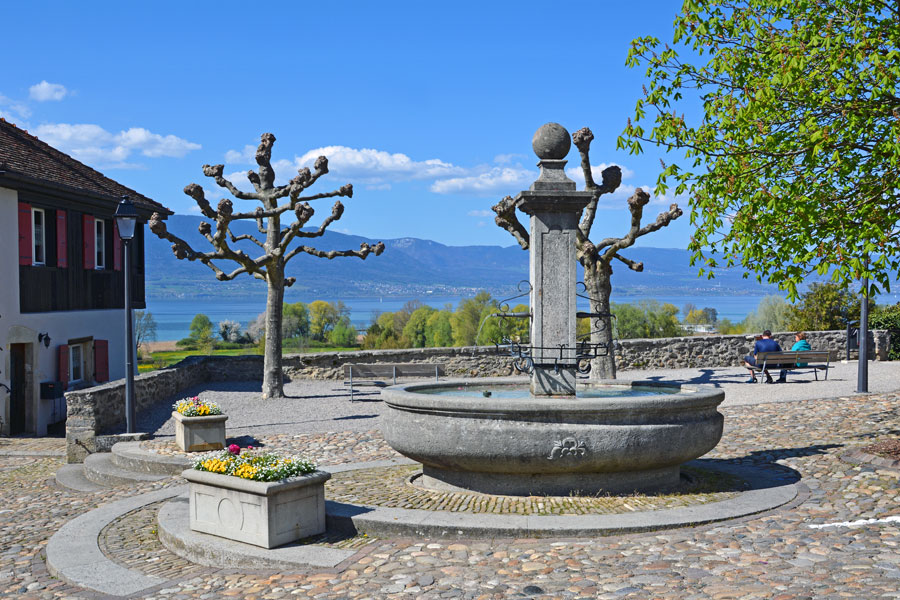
x,y
165,358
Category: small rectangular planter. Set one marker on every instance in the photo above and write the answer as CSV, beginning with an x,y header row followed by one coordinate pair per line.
x,y
199,434
266,514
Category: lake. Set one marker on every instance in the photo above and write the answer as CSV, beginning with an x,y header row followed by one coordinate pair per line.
x,y
173,316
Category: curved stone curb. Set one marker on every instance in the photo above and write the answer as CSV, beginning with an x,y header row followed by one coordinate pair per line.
x,y
176,535
873,460
768,491
130,455
73,553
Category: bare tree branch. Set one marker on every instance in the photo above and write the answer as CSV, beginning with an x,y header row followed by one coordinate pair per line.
x,y
634,266
196,192
507,219
246,236
364,250
183,250
215,171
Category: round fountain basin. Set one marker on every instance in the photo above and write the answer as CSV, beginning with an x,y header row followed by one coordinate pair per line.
x,y
632,440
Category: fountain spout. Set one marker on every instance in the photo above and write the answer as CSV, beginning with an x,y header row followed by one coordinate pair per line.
x,y
553,205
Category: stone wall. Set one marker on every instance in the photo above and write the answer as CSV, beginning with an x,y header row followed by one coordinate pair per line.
x,y
100,410
93,411
728,350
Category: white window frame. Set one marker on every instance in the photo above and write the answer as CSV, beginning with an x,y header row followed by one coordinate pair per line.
x,y
99,244
72,363
34,237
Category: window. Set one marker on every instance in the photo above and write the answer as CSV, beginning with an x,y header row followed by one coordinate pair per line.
x,y
100,244
76,363
38,254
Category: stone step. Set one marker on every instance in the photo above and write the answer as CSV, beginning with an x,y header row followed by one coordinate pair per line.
x,y
131,457
100,468
72,477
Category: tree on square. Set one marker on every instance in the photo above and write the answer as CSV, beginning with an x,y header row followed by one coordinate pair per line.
x,y
274,249
597,257
791,160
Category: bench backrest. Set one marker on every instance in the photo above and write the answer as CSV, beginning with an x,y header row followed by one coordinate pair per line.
x,y
394,370
793,358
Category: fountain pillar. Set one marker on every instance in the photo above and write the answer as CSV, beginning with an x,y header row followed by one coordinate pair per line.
x,y
554,207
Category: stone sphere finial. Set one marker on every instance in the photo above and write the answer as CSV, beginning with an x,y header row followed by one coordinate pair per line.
x,y
551,141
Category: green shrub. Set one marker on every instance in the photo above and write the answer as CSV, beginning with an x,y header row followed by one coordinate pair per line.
x,y
888,317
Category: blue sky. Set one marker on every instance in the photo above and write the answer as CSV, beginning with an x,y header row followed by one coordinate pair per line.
x,y
427,108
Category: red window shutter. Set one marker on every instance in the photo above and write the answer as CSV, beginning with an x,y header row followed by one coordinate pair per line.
x,y
87,243
117,249
63,371
62,248
101,361
25,234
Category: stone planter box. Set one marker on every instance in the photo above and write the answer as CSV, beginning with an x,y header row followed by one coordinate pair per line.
x,y
266,514
199,434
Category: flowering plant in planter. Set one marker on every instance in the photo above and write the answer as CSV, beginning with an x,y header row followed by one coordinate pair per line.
x,y
195,407
254,464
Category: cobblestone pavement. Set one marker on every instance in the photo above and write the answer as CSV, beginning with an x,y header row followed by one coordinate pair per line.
x,y
834,542
391,487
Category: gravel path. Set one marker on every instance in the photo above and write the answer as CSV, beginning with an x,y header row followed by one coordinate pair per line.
x,y
313,406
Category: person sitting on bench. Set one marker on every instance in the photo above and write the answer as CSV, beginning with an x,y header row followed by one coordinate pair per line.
x,y
800,345
763,344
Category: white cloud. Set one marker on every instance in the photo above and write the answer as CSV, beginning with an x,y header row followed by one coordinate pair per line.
x,y
480,213
213,193
44,91
368,165
576,173
94,145
20,110
245,156
239,179
495,180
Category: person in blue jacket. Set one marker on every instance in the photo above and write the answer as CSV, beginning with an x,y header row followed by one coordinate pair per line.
x,y
800,345
765,343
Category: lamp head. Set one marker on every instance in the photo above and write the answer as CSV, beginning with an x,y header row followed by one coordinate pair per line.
x,y
126,218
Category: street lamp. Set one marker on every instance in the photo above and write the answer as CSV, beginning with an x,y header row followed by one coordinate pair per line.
x,y
126,219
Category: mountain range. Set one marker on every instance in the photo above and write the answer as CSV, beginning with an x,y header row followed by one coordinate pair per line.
x,y
412,266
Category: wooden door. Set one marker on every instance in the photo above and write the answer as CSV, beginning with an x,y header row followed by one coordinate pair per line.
x,y
18,396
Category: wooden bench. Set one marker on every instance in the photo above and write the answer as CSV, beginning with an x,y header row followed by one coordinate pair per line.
x,y
374,373
814,360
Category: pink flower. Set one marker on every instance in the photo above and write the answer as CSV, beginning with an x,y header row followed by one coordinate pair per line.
x,y
234,449
249,447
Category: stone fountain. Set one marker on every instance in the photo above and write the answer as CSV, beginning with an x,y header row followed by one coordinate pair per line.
x,y
553,437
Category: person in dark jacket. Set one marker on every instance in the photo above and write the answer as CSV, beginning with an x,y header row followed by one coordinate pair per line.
x,y
765,343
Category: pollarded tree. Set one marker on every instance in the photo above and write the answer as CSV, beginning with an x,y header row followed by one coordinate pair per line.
x,y
793,154
597,257
275,248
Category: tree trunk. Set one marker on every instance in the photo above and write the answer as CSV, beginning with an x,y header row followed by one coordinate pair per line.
x,y
273,382
598,285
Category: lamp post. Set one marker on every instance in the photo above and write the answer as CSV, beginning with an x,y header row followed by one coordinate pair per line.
x,y
862,373
126,219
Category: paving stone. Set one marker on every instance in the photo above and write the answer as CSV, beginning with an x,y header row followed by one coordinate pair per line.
x,y
776,555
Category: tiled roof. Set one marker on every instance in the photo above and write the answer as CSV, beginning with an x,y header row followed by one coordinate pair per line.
x,y
23,154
